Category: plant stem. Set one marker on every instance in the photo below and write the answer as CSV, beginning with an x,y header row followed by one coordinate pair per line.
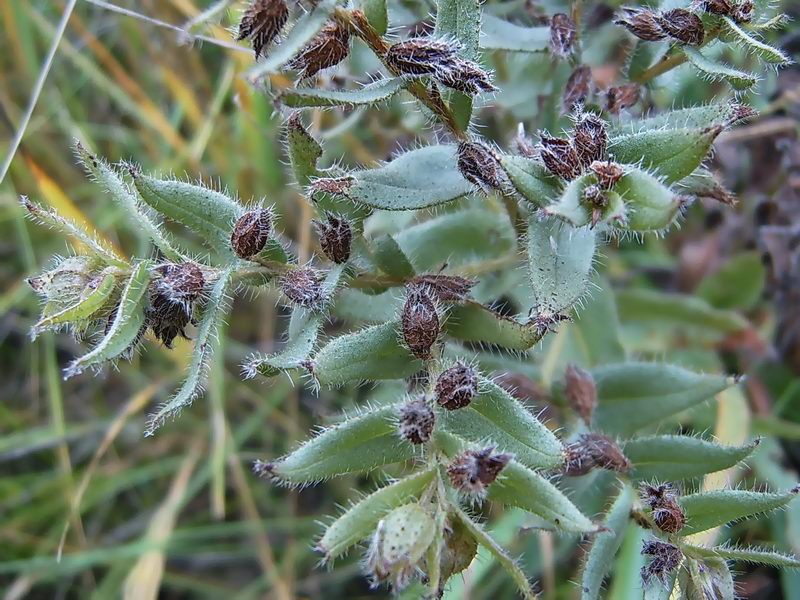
x,y
668,63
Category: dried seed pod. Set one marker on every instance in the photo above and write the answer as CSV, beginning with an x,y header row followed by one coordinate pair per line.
x,y
743,11
562,35
465,76
683,25
335,237
580,391
172,298
422,56
578,87
330,47
338,186
480,166
64,284
590,138
643,23
179,283
662,499
664,559
718,7
559,156
457,386
303,286
262,22
251,232
167,319
444,288
420,322
416,421
608,173
471,472
622,96
593,450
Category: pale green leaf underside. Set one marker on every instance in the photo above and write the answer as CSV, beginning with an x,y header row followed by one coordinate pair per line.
x,y
372,93
84,308
734,33
711,509
740,80
756,555
531,179
499,34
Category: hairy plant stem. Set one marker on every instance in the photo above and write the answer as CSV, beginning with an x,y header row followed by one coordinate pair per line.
x,y
357,23
668,63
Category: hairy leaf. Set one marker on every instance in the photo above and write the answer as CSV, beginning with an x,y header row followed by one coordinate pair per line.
x,y
372,93
531,179
705,510
740,80
376,13
460,20
704,116
390,258
473,322
709,578
731,32
761,556
91,301
498,34
651,206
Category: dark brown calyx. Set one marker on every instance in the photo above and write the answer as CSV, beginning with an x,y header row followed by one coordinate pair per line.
x,y
562,35
420,322
473,471
262,22
456,387
335,237
560,157
303,286
480,166
251,232
416,421
330,47
594,451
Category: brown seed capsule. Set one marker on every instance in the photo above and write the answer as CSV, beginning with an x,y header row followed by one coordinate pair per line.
x,y
590,138
559,156
594,451
420,322
474,470
179,283
251,232
668,515
683,25
623,96
456,386
330,47
562,35
444,288
644,24
743,11
665,558
422,56
303,286
167,319
580,391
480,166
262,23
416,421
172,296
465,76
608,173
338,186
718,7
578,87
335,238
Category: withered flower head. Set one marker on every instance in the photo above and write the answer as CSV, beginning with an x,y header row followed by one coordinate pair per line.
x,y
475,470
622,96
456,386
578,87
262,23
480,166
416,421
608,173
580,391
303,286
559,156
596,198
591,451
465,76
643,23
330,47
683,25
179,283
444,288
172,298
420,322
335,237
662,499
562,35
422,56
590,138
743,11
251,232
664,559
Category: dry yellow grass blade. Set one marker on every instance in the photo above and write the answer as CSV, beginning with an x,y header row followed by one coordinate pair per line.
x,y
144,579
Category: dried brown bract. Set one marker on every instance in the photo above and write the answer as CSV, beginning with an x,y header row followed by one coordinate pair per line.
x,y
335,237
580,391
562,35
180,283
644,24
594,451
303,286
444,288
664,559
683,25
420,322
172,297
662,499
251,232
422,56
595,196
578,87
480,166
622,96
416,421
474,470
608,173
590,138
330,47
560,157
465,76
262,22
338,186
457,386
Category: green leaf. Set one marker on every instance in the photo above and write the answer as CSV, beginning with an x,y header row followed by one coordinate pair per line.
x,y
678,309
644,55
651,206
755,555
473,322
634,395
497,417
676,457
126,327
655,589
206,341
498,34
370,354
596,327
559,263
91,301
417,179
731,32
706,510
376,13
370,94
304,151
571,207
703,184
531,179
694,117
119,191
714,71
390,258
359,521
738,283
709,578
600,559
355,445
669,153
304,30
499,553
354,306
208,213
